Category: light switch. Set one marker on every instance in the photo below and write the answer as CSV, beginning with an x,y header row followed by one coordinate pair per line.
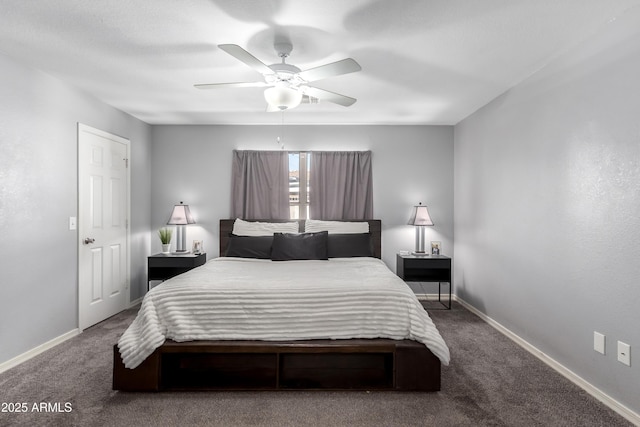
x,y
598,342
72,223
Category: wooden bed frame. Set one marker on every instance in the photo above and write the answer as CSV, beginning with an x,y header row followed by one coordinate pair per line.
x,y
355,364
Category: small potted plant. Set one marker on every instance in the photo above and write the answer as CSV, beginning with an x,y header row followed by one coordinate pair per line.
x,y
165,238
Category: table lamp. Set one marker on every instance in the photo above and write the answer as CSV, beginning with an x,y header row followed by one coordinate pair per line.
x,y
420,219
181,216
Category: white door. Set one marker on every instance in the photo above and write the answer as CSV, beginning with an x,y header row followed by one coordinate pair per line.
x,y
103,204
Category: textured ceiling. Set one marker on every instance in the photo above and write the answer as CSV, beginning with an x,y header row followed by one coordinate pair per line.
x,y
423,61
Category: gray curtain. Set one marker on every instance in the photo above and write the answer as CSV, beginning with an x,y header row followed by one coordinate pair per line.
x,y
260,185
341,185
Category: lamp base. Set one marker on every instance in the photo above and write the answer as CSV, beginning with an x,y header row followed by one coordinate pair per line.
x,y
416,253
181,244
181,252
420,242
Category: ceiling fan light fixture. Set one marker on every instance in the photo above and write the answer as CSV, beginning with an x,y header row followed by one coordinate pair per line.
x,y
283,97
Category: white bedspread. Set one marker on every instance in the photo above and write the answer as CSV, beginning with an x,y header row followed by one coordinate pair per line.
x,y
247,299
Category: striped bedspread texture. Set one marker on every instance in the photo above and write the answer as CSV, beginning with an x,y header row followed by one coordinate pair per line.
x,y
251,299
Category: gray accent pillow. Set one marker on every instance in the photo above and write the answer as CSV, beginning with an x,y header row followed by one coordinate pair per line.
x,y
249,246
350,245
304,246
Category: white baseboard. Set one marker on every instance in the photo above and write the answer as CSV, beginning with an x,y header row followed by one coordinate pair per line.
x,y
5,366
609,401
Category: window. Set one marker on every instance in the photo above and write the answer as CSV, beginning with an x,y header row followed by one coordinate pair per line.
x,y
299,168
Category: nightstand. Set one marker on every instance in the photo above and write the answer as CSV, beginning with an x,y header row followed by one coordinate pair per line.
x,y
165,266
434,268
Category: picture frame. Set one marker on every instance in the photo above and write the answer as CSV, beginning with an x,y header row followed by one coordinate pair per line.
x,y
197,247
436,248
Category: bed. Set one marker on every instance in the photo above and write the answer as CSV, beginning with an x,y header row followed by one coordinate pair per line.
x,y
336,323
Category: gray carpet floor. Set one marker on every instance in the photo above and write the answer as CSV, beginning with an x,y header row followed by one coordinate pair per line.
x,y
490,382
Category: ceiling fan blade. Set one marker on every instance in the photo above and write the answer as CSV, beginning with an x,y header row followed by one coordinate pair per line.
x,y
325,95
242,55
344,66
239,84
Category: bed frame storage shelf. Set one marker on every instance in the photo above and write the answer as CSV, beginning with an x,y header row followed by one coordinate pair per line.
x,y
336,371
191,371
371,364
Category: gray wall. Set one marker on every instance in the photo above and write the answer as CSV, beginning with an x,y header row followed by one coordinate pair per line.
x,y
410,164
38,194
547,208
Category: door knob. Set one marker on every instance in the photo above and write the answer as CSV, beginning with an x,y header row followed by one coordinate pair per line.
x,y
89,240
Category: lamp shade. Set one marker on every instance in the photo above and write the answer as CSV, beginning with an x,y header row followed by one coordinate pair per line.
x,y
283,97
420,216
181,215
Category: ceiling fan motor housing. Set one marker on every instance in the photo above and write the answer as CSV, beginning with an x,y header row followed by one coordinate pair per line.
x,y
283,72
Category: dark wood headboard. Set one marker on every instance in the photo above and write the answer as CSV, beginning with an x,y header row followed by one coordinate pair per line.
x,y
375,228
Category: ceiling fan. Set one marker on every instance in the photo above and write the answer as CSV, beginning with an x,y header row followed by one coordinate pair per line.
x,y
287,85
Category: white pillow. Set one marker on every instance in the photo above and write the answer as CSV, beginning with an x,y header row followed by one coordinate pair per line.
x,y
251,228
336,227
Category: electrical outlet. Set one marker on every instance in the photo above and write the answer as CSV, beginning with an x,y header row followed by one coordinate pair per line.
x,y
624,353
599,342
